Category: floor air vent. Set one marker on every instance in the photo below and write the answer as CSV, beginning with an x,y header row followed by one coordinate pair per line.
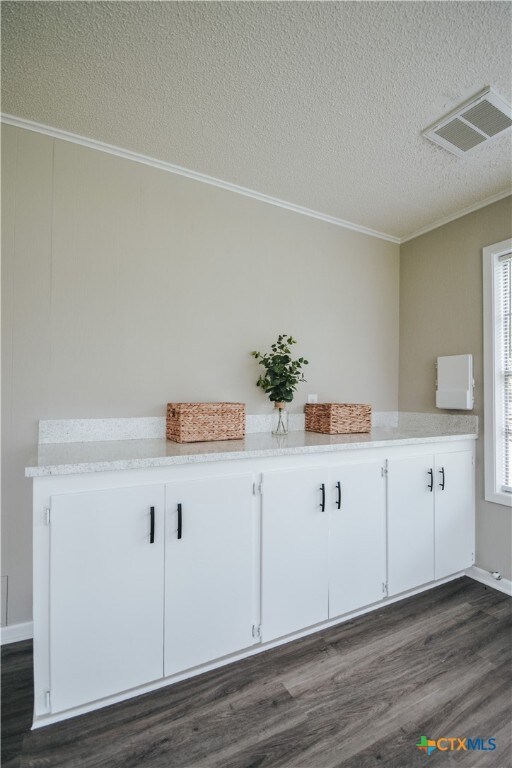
x,y
483,118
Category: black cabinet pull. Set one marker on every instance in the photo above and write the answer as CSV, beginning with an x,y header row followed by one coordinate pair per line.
x,y
441,484
152,525
431,486
338,500
322,503
179,521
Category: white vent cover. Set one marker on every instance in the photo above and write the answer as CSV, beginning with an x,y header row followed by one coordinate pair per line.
x,y
482,118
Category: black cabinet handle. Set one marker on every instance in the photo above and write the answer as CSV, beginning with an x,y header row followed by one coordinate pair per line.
x,y
151,525
441,484
338,500
322,503
179,521
431,486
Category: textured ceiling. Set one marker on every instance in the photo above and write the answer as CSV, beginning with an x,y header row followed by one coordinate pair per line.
x,y
321,104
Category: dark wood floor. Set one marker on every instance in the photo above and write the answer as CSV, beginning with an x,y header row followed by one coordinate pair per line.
x,y
359,695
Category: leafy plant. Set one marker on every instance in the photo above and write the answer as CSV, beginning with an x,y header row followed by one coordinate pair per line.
x,y
282,374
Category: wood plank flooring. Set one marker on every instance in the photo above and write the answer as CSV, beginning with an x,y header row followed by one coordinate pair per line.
x,y
356,696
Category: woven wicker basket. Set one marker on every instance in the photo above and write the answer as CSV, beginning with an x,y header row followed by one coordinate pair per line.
x,y
338,418
198,422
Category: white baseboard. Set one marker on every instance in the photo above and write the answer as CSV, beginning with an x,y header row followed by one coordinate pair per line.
x,y
16,632
478,574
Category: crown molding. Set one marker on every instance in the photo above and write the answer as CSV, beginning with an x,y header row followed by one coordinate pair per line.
x,y
127,154
457,215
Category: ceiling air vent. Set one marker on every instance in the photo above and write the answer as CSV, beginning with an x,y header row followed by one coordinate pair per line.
x,y
481,119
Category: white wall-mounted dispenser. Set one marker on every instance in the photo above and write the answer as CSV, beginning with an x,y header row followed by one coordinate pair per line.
x,y
455,382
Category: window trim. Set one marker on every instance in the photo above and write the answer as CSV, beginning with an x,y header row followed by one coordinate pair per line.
x,y
493,407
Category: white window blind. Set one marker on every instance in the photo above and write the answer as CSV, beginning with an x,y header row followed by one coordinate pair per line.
x,y
505,313
497,325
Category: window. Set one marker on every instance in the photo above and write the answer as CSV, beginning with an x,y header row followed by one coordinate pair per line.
x,y
497,263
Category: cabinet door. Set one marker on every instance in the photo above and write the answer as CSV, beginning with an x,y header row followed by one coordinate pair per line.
x,y
410,523
294,551
106,593
454,512
357,537
210,570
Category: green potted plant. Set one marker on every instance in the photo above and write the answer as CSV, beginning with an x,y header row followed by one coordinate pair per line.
x,y
282,374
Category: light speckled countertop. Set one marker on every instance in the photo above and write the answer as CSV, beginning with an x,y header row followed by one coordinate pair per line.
x,y
102,456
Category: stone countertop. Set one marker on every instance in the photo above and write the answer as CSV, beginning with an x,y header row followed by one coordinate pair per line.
x,y
79,458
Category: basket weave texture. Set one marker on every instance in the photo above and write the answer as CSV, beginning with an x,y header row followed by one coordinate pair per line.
x,y
338,418
198,422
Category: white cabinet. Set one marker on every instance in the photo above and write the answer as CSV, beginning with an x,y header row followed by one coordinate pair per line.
x,y
106,593
410,523
430,518
357,536
155,573
110,561
323,544
454,509
294,563
210,570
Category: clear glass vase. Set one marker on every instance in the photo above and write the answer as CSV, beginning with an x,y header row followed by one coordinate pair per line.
x,y
280,420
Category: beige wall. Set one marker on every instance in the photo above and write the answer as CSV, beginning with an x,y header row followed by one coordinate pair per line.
x,y
125,287
441,314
